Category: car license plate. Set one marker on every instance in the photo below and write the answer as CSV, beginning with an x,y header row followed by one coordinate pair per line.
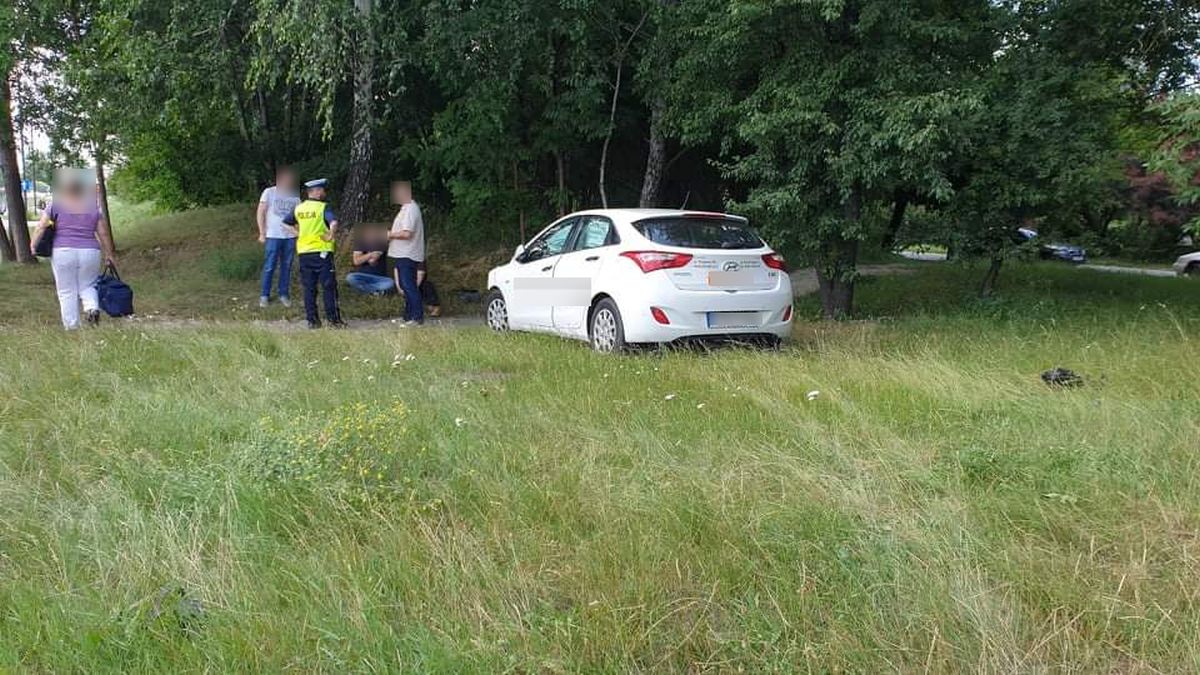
x,y
733,320
730,279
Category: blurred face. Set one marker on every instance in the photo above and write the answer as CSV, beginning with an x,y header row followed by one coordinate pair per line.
x,y
317,193
285,179
73,185
401,192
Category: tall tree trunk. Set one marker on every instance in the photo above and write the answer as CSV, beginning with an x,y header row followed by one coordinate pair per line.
x,y
19,239
517,194
612,123
6,250
560,168
619,57
835,277
988,288
656,156
836,266
102,192
898,208
358,183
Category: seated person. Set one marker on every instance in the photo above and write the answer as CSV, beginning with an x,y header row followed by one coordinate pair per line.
x,y
370,275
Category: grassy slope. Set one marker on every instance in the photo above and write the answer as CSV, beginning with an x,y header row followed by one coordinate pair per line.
x,y
205,264
545,508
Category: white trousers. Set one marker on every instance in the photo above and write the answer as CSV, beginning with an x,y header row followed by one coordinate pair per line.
x,y
75,273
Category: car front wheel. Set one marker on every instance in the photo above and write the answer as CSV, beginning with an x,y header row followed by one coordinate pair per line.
x,y
1192,270
497,312
606,330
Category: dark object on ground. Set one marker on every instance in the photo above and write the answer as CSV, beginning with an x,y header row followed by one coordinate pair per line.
x,y
468,296
1061,377
175,603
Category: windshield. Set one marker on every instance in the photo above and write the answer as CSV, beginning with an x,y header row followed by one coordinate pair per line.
x,y
720,233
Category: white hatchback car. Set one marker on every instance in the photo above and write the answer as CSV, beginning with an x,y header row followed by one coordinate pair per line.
x,y
619,277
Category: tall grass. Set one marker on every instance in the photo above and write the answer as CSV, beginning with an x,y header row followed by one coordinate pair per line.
x,y
536,507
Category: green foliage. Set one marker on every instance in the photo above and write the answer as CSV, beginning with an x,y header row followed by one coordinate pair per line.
x,y
815,117
1178,153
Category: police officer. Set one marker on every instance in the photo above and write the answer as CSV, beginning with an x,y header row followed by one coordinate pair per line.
x,y
316,227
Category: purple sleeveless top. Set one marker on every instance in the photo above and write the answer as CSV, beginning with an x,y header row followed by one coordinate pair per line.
x,y
73,228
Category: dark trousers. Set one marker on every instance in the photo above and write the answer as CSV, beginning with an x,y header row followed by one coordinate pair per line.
x,y
429,293
317,271
405,272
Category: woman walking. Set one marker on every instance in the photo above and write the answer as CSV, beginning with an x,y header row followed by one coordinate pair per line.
x,y
82,241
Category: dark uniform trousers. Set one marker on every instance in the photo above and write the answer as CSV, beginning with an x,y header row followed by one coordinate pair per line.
x,y
315,271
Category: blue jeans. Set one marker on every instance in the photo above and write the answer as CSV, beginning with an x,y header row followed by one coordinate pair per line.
x,y
280,253
405,270
370,284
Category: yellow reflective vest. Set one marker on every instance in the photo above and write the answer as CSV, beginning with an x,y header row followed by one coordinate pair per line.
x,y
310,223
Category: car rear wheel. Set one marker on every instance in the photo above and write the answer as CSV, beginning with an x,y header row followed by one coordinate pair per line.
x,y
1192,270
606,330
497,312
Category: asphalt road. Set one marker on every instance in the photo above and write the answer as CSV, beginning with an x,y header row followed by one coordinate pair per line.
x,y
1115,269
1121,269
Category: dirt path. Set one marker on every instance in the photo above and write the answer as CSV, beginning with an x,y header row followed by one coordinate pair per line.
x,y
283,325
804,282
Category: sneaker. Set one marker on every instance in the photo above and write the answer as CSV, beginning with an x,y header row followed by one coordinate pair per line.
x,y
411,324
313,325
339,324
92,317
285,301
264,301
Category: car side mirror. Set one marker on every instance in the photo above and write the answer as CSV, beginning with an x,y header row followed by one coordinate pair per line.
x,y
520,250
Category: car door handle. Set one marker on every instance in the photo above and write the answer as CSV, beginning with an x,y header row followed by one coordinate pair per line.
x,y
547,268
592,258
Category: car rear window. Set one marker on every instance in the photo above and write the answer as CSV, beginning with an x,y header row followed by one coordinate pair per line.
x,y
720,233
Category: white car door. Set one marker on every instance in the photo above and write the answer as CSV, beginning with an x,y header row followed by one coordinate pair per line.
x,y
528,307
582,267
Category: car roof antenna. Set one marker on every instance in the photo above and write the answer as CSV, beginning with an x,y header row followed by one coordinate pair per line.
x,y
685,200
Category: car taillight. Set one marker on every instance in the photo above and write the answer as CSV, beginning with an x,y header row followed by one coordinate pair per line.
x,y
660,316
648,261
787,314
774,261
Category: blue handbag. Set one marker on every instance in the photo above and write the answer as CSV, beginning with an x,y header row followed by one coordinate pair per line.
x,y
116,297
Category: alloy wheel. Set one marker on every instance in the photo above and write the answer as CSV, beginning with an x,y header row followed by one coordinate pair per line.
x,y
497,315
604,330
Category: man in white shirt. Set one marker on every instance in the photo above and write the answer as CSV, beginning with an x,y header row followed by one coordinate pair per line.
x,y
407,251
278,239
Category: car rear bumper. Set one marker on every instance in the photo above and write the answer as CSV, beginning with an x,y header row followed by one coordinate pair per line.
x,y
759,314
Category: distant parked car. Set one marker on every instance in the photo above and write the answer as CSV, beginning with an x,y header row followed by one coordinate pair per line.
x,y
1188,265
1054,251
618,277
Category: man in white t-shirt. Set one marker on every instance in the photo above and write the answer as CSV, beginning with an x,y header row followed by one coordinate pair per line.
x,y
407,252
278,239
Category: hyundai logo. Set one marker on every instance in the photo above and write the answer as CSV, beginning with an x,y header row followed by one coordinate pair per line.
x,y
731,266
